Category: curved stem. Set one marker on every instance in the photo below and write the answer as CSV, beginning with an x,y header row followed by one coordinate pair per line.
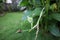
x,y
38,19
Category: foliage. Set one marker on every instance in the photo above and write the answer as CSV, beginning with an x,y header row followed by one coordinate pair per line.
x,y
1,7
11,22
45,14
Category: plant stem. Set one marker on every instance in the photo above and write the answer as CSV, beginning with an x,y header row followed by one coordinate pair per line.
x,y
37,32
32,24
47,8
43,2
38,19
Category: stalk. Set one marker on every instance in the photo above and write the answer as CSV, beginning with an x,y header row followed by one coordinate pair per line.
x,y
32,24
46,11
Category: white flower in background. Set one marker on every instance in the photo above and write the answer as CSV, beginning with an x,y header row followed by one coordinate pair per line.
x,y
30,19
8,1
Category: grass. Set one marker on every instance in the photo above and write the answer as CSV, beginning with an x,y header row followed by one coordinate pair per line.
x,y
11,22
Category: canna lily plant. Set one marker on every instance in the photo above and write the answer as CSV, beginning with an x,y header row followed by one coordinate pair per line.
x,y
43,15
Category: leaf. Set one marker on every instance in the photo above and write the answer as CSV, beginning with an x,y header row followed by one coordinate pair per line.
x,y
56,16
35,2
31,13
26,13
36,12
54,30
23,3
53,7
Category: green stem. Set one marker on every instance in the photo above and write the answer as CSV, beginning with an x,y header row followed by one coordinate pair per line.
x,y
43,2
38,20
47,8
32,24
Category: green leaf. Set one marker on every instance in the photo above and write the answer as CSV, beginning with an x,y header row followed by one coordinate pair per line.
x,y
54,30
36,12
26,13
56,16
31,13
23,3
35,2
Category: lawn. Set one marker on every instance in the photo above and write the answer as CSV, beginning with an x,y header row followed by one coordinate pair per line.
x,y
11,22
